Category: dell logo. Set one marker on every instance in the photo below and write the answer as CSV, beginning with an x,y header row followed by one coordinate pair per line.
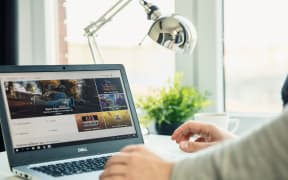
x,y
82,149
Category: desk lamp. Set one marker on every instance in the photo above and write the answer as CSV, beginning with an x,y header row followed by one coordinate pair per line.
x,y
173,31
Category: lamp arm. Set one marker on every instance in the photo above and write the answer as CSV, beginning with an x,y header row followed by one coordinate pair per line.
x,y
91,29
95,50
106,17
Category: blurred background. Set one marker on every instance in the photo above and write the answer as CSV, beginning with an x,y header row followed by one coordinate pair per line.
x,y
241,57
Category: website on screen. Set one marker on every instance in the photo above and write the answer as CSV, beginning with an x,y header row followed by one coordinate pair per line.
x,y
66,108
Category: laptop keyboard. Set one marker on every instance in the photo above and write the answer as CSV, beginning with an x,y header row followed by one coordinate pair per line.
x,y
74,167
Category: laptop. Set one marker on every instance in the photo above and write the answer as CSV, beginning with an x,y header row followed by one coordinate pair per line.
x,y
64,122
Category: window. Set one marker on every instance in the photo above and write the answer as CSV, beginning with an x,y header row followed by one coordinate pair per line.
x,y
256,54
62,40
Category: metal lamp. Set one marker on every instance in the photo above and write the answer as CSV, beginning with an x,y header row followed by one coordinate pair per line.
x,y
173,31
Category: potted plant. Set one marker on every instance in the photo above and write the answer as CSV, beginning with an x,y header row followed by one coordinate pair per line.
x,y
171,105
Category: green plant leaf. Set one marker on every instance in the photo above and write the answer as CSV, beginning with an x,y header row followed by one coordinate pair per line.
x,y
173,103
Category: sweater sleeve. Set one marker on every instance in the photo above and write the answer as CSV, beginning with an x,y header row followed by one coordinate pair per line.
x,y
262,154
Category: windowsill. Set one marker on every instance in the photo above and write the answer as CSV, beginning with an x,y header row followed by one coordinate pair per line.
x,y
248,122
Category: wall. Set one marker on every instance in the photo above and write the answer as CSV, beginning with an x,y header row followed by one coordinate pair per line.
x,y
8,41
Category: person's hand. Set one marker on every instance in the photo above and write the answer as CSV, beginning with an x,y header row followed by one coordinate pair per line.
x,y
136,162
208,135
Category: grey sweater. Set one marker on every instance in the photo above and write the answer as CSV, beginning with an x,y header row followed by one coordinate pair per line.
x,y
261,155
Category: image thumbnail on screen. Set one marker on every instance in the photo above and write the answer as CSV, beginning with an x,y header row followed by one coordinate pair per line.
x,y
51,97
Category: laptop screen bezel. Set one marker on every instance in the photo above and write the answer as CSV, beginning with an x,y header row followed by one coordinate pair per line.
x,y
46,155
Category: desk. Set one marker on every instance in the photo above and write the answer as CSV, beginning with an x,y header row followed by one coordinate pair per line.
x,y
161,145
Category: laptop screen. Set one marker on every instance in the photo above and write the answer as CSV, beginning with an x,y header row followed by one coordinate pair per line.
x,y
55,109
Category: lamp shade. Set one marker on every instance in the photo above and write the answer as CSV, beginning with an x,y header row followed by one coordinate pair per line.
x,y
174,32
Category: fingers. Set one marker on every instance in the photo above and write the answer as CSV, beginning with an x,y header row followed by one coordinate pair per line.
x,y
185,136
140,150
116,170
190,128
134,148
114,178
201,139
120,158
116,167
188,146
105,176
125,154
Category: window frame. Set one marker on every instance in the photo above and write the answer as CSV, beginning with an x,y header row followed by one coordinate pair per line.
x,y
34,44
204,69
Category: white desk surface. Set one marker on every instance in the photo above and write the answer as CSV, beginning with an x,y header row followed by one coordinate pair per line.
x,y
160,144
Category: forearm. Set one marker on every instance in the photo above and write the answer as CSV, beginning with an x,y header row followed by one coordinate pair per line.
x,y
260,155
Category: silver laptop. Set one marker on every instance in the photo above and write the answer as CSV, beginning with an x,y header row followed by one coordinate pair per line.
x,y
64,122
